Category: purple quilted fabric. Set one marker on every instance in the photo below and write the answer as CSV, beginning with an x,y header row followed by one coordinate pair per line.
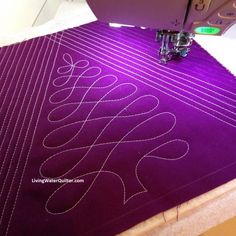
x,y
96,136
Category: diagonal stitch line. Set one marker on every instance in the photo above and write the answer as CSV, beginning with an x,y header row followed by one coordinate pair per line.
x,y
194,73
6,95
155,66
20,113
12,65
2,59
138,40
131,33
114,65
187,91
11,62
206,94
143,78
16,170
8,135
10,144
16,85
32,138
26,113
32,58
138,36
146,41
7,120
152,60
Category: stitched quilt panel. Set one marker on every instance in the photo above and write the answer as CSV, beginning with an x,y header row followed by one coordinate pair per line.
x,y
97,136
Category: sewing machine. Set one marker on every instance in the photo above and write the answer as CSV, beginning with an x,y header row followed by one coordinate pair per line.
x,y
176,21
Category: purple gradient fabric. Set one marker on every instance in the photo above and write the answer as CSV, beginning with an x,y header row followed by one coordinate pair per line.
x,y
92,105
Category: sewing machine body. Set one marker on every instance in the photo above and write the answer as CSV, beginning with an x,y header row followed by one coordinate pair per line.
x,y
176,21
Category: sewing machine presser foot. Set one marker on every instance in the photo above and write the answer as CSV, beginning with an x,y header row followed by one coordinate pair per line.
x,y
174,44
